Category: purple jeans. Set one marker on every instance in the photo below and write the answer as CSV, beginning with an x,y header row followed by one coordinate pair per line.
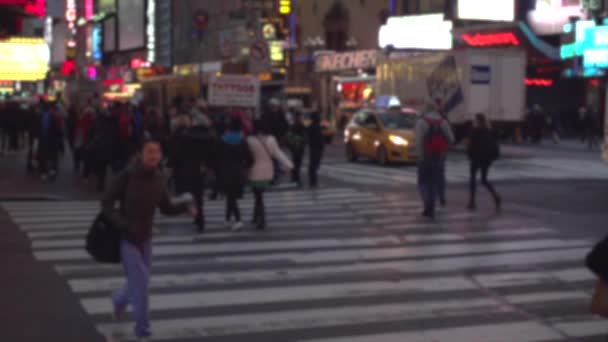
x,y
137,268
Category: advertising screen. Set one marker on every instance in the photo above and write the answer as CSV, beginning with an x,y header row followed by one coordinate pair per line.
x,y
131,23
109,35
495,10
24,59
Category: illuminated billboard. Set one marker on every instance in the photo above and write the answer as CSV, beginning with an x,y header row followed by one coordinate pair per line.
x,y
24,59
428,31
495,10
131,24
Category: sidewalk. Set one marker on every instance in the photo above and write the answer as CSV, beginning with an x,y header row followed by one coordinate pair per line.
x,y
39,305
17,184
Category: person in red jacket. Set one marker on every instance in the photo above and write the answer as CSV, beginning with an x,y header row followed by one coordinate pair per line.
x,y
81,133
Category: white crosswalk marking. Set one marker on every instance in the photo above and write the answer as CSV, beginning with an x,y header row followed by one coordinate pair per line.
x,y
365,173
335,265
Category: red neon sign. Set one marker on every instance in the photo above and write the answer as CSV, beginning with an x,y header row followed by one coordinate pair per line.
x,y
111,82
538,82
490,39
136,63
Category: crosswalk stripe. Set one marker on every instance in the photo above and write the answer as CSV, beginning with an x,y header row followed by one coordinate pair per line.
x,y
310,251
184,328
330,262
38,242
458,171
504,332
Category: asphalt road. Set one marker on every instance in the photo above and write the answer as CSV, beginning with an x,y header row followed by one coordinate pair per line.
x,y
352,261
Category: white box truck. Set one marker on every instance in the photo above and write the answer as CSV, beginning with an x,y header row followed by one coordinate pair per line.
x,y
465,81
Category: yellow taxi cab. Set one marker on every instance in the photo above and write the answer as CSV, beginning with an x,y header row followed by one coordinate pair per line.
x,y
329,132
384,135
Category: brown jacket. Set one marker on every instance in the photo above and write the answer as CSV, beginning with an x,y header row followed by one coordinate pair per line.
x,y
143,191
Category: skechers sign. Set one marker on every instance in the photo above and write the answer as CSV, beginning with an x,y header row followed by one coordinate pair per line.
x,y
365,59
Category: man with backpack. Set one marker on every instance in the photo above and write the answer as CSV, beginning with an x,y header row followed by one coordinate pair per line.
x,y
433,138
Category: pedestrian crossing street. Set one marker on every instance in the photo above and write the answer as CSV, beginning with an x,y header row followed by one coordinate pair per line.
x,y
335,265
368,173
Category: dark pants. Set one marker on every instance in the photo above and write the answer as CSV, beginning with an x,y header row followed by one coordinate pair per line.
x,y
441,187
232,206
259,211
48,163
77,155
484,167
313,165
197,192
297,156
430,179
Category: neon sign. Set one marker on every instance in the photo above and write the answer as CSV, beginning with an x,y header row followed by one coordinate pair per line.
x,y
70,13
88,9
538,82
96,43
151,31
490,39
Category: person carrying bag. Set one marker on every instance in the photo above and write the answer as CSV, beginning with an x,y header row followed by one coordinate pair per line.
x,y
141,189
596,262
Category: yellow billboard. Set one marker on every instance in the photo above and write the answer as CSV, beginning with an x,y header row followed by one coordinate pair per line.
x,y
24,59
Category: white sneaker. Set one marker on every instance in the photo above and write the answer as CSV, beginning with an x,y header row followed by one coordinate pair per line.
x,y
237,226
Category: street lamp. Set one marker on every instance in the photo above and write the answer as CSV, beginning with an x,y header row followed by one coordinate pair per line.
x,y
352,43
312,44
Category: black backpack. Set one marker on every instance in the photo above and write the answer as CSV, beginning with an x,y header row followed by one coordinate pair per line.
x,y
104,236
103,240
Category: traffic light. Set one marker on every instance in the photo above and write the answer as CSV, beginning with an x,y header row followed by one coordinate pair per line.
x,y
285,7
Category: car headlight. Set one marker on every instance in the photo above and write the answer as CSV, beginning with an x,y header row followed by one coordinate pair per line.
x,y
397,140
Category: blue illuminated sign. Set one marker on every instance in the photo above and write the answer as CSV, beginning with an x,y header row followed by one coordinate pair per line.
x,y
96,43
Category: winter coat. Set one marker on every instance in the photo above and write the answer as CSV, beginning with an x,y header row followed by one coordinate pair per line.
x,y
277,124
264,149
234,160
82,130
315,138
140,192
190,150
51,135
483,147
297,137
422,130
104,137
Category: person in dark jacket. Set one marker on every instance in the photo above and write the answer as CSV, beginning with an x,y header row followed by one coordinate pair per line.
x,y
316,144
34,128
297,145
190,152
50,142
483,150
100,148
141,189
234,160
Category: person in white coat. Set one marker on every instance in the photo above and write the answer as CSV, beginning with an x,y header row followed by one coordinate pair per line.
x,y
264,149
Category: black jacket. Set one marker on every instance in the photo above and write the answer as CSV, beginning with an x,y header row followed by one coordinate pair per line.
x,y
190,150
316,141
104,136
140,192
233,162
483,146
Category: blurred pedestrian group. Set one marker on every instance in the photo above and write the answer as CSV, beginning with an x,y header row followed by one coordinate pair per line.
x,y
225,150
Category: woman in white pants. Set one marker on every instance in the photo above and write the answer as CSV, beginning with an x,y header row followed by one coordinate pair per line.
x,y
264,149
